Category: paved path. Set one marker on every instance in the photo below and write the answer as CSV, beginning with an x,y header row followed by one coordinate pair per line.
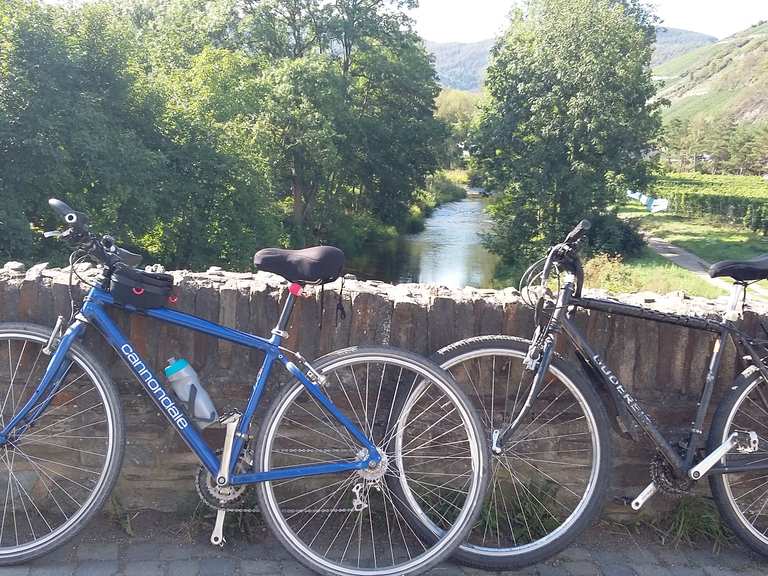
x,y
694,264
170,547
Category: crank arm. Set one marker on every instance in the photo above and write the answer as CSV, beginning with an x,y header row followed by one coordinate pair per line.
x,y
217,536
231,422
743,442
644,496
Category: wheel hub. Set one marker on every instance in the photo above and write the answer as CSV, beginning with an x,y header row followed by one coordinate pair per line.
x,y
375,470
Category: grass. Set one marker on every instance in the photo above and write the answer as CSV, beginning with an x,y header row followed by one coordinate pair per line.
x,y
707,237
694,520
649,273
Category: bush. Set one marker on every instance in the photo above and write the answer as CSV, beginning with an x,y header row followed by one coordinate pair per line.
x,y
616,237
443,189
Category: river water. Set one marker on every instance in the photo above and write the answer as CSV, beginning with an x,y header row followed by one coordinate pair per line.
x,y
449,252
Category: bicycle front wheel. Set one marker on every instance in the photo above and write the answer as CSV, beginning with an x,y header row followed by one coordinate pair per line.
x,y
549,481
371,522
56,473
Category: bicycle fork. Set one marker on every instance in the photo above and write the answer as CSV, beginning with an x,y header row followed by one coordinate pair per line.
x,y
536,362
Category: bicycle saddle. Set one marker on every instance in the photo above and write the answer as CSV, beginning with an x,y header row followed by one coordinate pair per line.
x,y
741,270
316,265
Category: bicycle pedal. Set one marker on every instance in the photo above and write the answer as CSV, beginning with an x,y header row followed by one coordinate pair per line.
x,y
217,536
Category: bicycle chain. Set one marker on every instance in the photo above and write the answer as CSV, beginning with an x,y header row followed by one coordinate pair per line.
x,y
663,477
223,506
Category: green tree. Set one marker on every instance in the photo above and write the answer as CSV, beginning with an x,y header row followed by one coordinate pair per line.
x,y
201,130
70,124
457,109
568,119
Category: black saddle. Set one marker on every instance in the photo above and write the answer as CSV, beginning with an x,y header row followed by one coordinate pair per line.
x,y
741,270
316,265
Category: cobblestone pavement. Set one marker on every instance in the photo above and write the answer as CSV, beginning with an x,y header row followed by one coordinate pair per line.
x,y
157,550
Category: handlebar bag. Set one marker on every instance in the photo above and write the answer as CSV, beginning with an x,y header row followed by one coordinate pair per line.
x,y
132,287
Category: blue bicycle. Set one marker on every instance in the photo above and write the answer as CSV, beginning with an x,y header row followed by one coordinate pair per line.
x,y
370,461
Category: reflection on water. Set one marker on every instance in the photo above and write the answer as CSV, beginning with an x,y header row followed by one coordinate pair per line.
x,y
448,252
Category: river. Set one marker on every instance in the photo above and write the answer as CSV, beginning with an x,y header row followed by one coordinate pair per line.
x,y
449,252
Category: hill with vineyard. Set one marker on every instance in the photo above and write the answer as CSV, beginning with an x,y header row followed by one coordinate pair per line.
x,y
725,79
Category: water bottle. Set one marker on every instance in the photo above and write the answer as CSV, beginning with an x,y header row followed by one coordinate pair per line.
x,y
186,385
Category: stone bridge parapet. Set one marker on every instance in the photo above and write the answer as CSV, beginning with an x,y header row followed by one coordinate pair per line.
x,y
663,365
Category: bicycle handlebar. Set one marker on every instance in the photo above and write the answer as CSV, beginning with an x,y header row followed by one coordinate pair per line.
x,y
577,233
103,249
71,218
565,253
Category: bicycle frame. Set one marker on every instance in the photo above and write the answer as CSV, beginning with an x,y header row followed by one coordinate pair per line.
x,y
631,416
94,312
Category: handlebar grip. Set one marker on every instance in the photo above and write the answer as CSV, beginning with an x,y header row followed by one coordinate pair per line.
x,y
578,232
71,217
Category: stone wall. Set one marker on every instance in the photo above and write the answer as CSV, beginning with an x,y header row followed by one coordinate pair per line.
x,y
663,365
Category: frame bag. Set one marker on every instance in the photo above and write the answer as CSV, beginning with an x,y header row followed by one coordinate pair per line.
x,y
132,287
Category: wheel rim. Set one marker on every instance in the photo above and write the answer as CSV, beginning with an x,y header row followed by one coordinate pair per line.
x,y
387,540
743,491
534,498
52,473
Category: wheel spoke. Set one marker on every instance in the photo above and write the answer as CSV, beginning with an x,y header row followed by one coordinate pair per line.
x,y
53,464
366,523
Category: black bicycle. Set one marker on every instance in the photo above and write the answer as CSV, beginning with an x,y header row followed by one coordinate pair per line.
x,y
549,427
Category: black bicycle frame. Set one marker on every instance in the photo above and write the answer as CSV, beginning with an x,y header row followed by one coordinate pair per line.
x,y
632,417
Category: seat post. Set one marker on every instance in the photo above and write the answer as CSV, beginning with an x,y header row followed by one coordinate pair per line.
x,y
285,316
736,304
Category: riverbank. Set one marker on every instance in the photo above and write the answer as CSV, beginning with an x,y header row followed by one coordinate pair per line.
x,y
443,187
448,251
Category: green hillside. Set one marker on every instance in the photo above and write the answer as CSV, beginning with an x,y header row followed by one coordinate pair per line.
x,y
728,78
673,42
462,65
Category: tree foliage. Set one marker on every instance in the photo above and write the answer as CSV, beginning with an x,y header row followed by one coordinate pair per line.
x,y
201,130
567,120
457,109
721,146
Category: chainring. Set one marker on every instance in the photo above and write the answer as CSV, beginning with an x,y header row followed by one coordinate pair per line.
x,y
663,476
227,498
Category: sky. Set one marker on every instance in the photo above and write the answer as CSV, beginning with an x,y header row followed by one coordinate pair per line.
x,y
473,20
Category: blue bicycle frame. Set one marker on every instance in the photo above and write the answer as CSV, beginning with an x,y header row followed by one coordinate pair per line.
x,y
94,312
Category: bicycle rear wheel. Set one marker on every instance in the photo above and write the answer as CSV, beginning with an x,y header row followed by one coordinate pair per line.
x,y
369,522
743,498
57,473
549,482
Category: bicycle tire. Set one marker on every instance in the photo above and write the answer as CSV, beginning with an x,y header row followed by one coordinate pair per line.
x,y
454,358
723,486
50,472
276,499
